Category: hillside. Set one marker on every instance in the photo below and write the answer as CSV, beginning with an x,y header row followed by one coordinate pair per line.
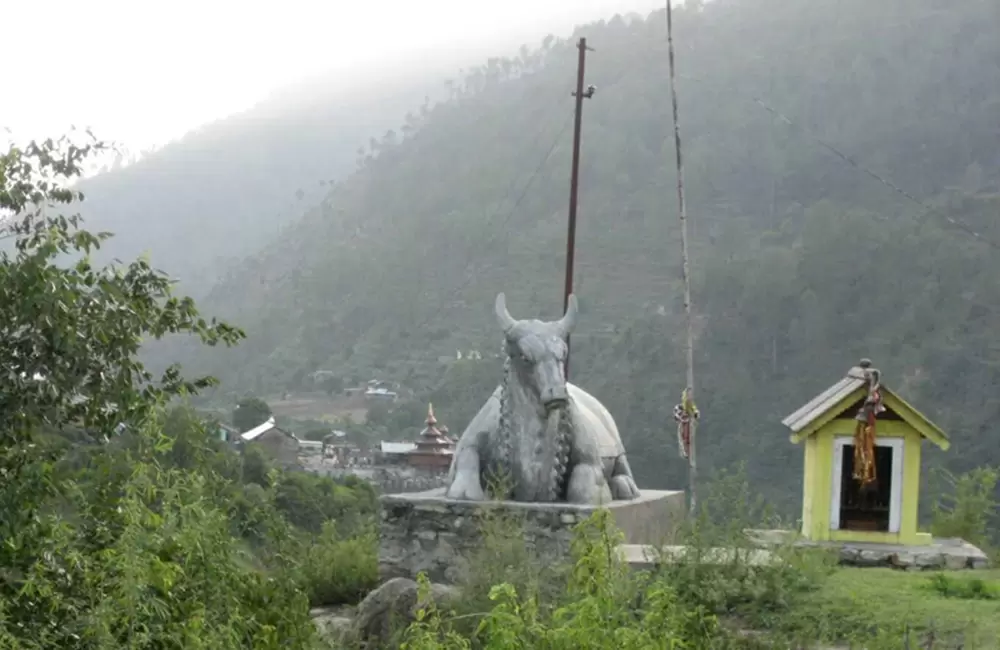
x,y
228,188
803,262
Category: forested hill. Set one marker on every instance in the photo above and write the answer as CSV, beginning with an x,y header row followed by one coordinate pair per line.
x,y
225,190
803,262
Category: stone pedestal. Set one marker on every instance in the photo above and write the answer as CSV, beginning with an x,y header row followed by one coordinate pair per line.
x,y
424,531
943,553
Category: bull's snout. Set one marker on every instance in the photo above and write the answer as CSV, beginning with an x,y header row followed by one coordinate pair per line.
x,y
554,397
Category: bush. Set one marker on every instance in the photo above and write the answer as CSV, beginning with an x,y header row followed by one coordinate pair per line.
x,y
308,501
605,606
143,556
967,508
740,585
511,599
250,412
337,570
504,557
971,588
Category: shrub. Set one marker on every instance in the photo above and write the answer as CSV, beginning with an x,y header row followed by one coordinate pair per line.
x,y
308,500
966,506
740,583
336,570
966,588
605,606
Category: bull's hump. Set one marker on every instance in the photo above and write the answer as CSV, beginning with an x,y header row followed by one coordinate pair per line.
x,y
596,418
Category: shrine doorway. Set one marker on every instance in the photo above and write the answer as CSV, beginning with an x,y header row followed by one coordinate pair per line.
x,y
874,508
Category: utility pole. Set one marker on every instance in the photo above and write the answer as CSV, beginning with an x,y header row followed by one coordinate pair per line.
x,y
692,462
580,95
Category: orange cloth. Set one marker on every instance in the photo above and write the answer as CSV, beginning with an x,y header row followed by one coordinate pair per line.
x,y
864,451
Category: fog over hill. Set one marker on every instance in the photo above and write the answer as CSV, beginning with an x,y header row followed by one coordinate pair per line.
x,y
229,187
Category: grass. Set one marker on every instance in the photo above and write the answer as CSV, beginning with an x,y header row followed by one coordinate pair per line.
x,y
862,604
965,587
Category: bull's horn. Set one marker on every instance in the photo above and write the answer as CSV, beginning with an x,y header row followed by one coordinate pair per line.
x,y
568,321
506,321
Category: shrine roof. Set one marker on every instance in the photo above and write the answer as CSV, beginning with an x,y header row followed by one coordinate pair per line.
x,y
833,401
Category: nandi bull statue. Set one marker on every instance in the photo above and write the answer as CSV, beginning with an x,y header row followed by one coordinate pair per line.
x,y
551,439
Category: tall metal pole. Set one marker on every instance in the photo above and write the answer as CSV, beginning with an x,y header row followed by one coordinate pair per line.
x,y
580,95
692,462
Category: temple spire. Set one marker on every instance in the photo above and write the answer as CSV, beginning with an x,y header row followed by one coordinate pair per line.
x,y
434,447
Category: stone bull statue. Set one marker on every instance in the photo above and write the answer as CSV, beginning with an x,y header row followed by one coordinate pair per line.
x,y
553,440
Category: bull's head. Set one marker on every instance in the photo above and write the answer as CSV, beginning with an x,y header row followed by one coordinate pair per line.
x,y
538,352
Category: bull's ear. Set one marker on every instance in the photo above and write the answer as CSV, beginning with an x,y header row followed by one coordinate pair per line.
x,y
568,321
504,318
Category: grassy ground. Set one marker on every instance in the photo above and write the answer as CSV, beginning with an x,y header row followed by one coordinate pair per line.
x,y
861,604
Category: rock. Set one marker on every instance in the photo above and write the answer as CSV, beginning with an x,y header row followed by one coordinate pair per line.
x,y
333,623
392,606
930,560
903,560
979,562
867,558
955,562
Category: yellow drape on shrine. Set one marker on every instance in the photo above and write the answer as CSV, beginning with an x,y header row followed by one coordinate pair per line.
x,y
864,452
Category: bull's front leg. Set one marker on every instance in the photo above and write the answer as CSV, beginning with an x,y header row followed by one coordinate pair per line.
x,y
465,480
587,484
623,487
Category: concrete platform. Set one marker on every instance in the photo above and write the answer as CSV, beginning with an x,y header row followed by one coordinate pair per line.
x,y
643,557
425,531
943,553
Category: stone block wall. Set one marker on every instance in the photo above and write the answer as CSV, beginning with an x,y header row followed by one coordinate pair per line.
x,y
426,532
410,479
388,479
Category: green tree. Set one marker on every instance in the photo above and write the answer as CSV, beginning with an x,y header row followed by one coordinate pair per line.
x,y
71,332
250,412
967,507
377,414
138,556
333,385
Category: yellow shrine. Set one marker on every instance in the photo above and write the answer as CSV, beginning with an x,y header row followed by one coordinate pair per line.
x,y
835,507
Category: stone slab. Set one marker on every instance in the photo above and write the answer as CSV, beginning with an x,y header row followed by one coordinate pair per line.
x,y
646,556
425,531
943,553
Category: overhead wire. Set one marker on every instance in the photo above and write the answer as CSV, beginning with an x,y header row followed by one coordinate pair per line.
x,y
850,160
881,179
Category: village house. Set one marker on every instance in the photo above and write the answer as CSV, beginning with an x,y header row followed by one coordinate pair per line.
x,y
393,453
380,395
311,447
228,433
345,454
278,444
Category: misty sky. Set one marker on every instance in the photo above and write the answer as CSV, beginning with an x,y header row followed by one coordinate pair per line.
x,y
142,72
